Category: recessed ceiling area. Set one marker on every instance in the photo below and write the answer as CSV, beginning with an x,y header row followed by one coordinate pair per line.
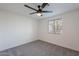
x,y
57,8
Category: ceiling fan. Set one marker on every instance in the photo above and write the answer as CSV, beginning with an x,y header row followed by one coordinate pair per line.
x,y
39,11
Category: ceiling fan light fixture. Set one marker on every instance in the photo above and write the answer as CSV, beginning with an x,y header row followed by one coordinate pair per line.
x,y
39,11
39,14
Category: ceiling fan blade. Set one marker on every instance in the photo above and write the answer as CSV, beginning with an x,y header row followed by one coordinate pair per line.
x,y
30,7
43,5
33,13
46,11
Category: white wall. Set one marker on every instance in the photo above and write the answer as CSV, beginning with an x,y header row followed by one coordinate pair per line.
x,y
70,36
16,29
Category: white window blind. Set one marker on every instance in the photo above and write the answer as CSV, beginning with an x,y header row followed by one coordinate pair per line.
x,y
55,26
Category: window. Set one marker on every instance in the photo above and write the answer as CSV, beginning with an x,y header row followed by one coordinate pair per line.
x,y
55,26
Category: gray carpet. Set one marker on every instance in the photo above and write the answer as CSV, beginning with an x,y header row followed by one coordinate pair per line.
x,y
39,48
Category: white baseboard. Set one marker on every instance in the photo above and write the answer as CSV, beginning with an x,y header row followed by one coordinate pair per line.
x,y
60,45
13,46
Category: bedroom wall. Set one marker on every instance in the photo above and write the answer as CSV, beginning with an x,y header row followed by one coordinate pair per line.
x,y
16,29
69,38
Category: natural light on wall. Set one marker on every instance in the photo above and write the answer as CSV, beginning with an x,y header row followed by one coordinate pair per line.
x,y
55,26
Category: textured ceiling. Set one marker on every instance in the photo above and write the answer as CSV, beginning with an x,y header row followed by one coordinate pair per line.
x,y
57,8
